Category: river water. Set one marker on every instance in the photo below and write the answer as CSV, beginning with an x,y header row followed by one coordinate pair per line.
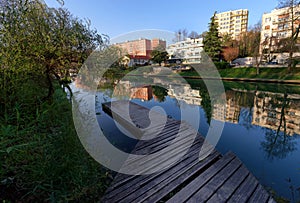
x,y
262,123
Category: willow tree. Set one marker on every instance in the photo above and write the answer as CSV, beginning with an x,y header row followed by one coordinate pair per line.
x,y
212,41
45,42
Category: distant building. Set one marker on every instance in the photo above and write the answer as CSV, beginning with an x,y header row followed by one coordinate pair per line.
x,y
232,22
277,25
188,50
140,50
141,47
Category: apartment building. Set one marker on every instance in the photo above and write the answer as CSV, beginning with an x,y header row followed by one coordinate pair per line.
x,y
140,50
232,22
277,25
189,50
141,47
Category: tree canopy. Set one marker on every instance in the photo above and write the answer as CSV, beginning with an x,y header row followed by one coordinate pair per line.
x,y
48,42
159,55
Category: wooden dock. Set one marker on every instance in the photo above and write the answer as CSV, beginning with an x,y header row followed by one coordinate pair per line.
x,y
214,179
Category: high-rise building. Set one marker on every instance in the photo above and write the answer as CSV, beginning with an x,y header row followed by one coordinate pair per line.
x,y
232,22
277,25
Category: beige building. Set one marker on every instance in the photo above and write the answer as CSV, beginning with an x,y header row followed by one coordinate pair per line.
x,y
277,25
232,22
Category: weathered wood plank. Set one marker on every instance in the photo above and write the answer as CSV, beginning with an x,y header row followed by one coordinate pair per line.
x,y
127,181
189,190
226,190
187,174
259,195
243,193
216,182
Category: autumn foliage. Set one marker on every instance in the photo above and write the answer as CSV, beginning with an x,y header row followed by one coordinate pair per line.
x,y
230,53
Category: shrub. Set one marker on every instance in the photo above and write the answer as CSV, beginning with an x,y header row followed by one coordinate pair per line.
x,y
222,65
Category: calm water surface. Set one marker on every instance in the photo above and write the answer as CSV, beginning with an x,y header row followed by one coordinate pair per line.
x,y
262,124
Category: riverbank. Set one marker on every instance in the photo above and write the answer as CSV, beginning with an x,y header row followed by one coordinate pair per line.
x,y
271,75
42,157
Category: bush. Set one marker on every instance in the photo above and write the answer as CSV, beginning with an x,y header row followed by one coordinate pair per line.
x,y
222,65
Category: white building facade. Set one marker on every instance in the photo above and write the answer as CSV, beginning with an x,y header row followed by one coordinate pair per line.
x,y
189,50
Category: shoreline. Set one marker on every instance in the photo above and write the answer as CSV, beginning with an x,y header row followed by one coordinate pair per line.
x,y
262,80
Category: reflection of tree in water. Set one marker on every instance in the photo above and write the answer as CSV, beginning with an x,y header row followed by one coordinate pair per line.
x,y
160,93
206,101
278,144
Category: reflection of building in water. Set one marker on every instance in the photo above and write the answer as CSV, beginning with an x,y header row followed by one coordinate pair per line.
x,y
219,112
227,112
272,110
132,90
144,93
185,93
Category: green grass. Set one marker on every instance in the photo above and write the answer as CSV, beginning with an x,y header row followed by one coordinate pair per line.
x,y
265,73
42,158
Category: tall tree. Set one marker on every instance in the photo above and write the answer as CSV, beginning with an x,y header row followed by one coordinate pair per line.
x,y
212,42
254,36
293,20
180,35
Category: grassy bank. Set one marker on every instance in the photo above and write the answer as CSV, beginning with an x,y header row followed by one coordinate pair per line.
x,y
42,158
265,73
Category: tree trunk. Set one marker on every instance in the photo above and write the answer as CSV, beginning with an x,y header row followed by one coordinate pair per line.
x,y
289,69
50,86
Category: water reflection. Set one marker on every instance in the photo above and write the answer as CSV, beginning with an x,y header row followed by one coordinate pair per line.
x,y
262,122
276,111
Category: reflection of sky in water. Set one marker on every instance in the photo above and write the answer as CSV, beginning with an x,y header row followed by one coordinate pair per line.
x,y
273,158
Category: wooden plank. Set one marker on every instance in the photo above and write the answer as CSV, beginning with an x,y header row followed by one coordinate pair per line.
x,y
163,189
259,195
184,194
216,182
195,148
167,138
181,173
128,180
271,200
224,192
244,192
133,185
164,156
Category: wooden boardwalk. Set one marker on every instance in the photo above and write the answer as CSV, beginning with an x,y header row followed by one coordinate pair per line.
x,y
216,178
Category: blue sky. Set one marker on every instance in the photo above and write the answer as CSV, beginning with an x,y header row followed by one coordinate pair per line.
x,y
117,17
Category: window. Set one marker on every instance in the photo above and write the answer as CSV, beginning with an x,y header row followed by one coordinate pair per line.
x,y
267,27
268,19
238,21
